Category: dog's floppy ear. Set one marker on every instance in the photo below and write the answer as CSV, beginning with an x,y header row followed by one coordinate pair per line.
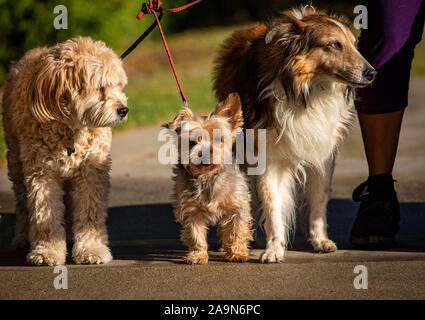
x,y
49,90
185,114
285,28
231,109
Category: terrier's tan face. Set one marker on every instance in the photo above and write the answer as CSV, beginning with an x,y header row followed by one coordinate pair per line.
x,y
210,138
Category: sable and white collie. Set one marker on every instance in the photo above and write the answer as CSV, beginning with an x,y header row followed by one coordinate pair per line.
x,y
296,76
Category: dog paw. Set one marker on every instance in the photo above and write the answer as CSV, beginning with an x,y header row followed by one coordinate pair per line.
x,y
46,257
270,256
91,255
238,256
196,257
324,246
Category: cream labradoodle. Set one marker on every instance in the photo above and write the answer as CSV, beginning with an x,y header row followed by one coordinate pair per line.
x,y
58,106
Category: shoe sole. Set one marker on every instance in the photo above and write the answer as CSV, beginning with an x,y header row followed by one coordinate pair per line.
x,y
372,241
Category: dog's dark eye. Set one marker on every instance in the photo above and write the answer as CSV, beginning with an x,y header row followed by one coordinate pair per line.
x,y
336,45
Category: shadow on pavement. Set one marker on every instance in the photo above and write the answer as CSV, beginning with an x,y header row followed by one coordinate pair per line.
x,y
149,233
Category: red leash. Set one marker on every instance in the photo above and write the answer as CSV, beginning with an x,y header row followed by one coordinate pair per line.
x,y
156,5
153,7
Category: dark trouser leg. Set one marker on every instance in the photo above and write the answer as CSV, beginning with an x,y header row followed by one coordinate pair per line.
x,y
389,46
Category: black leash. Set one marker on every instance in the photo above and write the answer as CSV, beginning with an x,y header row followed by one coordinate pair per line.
x,y
142,37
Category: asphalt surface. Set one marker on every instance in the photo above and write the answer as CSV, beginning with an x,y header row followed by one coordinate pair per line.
x,y
148,254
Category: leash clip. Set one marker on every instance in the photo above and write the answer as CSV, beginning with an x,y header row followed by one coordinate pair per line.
x,y
154,5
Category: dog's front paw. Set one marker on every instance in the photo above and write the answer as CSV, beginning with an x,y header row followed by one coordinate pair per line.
x,y
270,256
324,246
41,256
83,254
196,257
274,252
240,255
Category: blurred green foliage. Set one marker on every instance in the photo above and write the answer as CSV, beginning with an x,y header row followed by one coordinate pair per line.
x,y
25,24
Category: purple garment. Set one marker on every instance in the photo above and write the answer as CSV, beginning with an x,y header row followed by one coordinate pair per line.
x,y
395,27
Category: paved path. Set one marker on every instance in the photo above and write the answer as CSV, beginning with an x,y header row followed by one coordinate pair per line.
x,y
148,255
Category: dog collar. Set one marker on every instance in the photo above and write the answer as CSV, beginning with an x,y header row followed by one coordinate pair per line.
x,y
70,151
69,145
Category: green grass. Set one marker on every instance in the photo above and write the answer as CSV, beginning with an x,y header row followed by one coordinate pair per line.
x,y
153,100
152,90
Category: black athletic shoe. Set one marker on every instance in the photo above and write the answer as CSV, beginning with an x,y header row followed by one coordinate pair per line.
x,y
378,217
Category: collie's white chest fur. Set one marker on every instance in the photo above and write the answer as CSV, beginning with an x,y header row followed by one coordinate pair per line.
x,y
301,146
308,135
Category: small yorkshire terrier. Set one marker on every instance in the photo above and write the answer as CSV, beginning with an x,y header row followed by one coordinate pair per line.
x,y
212,192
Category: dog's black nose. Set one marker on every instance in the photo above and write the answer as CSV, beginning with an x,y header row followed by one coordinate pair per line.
x,y
369,74
122,110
